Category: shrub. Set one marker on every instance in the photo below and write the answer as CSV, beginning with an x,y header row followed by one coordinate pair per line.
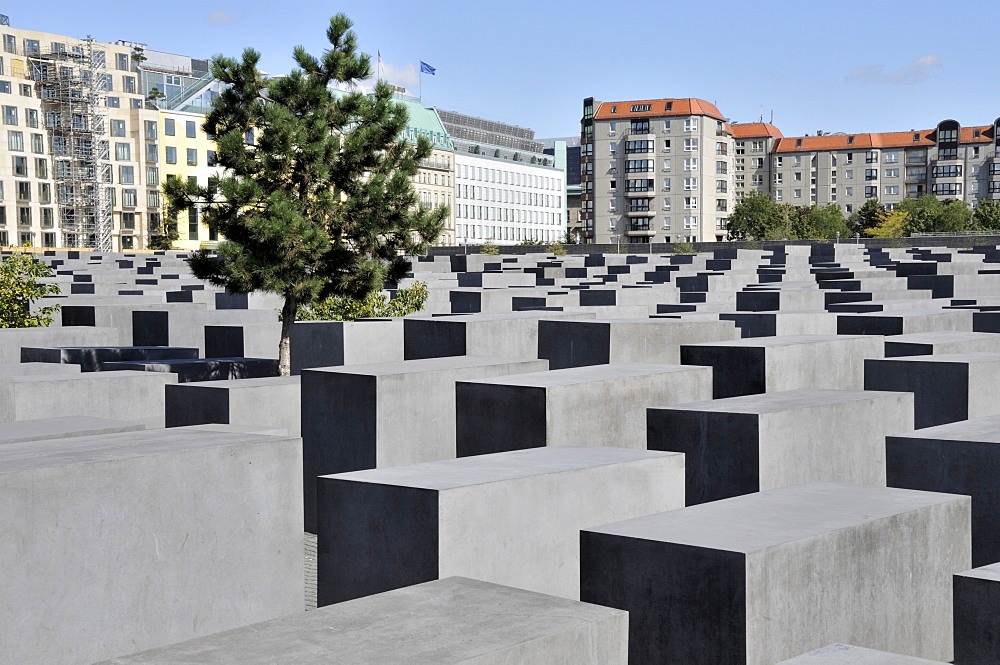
x,y
489,248
19,289
684,248
374,306
556,248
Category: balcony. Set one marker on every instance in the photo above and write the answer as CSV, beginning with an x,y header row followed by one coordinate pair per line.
x,y
644,193
640,229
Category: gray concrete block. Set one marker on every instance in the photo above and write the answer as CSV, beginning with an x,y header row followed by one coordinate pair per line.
x,y
454,621
63,427
763,577
580,343
845,654
114,395
12,339
946,388
201,369
795,362
334,343
123,542
904,322
513,334
601,405
251,404
29,369
977,616
941,342
246,340
957,458
386,414
509,518
740,445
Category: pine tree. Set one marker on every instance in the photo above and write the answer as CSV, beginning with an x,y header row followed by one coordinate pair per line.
x,y
316,199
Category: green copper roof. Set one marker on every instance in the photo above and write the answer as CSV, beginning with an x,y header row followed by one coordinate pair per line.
x,y
425,121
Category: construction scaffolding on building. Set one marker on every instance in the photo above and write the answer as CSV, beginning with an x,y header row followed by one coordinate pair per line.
x,y
72,83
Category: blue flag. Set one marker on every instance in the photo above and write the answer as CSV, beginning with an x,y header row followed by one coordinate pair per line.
x,y
426,69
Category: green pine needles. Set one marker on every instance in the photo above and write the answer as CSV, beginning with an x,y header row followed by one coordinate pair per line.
x,y
316,198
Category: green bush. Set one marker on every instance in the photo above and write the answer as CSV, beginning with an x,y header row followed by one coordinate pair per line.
x,y
556,248
684,248
489,248
374,306
19,288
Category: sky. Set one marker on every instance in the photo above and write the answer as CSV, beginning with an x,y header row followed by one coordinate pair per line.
x,y
851,66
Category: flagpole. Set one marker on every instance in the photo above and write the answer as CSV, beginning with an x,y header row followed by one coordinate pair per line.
x,y
420,86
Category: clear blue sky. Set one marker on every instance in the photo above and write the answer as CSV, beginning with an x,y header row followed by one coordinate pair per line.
x,y
852,66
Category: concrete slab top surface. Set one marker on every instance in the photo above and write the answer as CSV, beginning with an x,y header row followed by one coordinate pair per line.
x,y
63,426
29,456
771,518
502,316
939,336
499,467
588,374
845,654
785,340
445,364
28,369
260,382
452,620
789,400
956,358
977,430
990,573
84,376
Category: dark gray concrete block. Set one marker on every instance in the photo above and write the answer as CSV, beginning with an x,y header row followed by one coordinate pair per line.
x,y
201,369
977,616
89,358
270,403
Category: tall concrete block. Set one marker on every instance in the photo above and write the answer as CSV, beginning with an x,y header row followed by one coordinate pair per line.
x,y
957,458
252,404
385,414
845,654
455,621
600,405
509,518
602,341
123,542
796,362
763,577
946,388
977,616
334,343
740,445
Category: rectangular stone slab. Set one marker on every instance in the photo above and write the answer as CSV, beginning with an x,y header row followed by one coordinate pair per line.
x,y
252,404
739,445
63,427
509,518
547,408
123,542
90,357
977,616
454,621
763,577
845,654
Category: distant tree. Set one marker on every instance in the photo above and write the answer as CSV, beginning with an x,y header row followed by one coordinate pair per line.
x,y
828,221
754,217
986,216
870,215
956,217
929,215
321,203
19,288
893,225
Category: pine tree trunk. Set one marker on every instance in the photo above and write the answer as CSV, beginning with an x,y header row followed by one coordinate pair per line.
x,y
288,311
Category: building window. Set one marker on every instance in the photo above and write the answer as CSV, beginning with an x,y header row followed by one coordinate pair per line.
x,y
128,84
23,216
192,157
778,195
113,103
44,193
690,223
892,190
123,152
126,175
952,171
778,178
21,166
892,157
130,198
150,130
38,144
690,163
121,61
192,223
171,155
212,159
152,176
168,126
690,202
892,173
190,130
871,174
23,191
153,198
690,145
947,188
152,153
690,184
128,222
639,127
691,125
48,218
797,193
638,165
15,141
871,192
612,128
756,146
118,128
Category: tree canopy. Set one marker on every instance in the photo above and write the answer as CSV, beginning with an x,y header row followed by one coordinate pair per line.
x,y
758,217
315,197
19,288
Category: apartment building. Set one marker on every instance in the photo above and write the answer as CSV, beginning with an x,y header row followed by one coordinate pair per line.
x,y
949,161
753,143
656,170
507,190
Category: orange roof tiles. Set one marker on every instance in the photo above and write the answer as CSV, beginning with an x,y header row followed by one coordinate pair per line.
x,y
924,138
748,130
658,108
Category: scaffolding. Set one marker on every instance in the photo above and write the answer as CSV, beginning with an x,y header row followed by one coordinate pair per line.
x,y
72,84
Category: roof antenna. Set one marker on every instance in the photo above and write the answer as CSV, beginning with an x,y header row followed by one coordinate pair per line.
x,y
772,116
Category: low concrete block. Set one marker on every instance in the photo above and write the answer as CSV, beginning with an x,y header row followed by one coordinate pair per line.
x,y
12,339
763,577
977,616
946,388
135,395
941,342
270,403
957,458
454,621
601,405
201,369
63,427
89,358
845,654
740,445
123,542
386,414
468,517
795,362
30,369
602,341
